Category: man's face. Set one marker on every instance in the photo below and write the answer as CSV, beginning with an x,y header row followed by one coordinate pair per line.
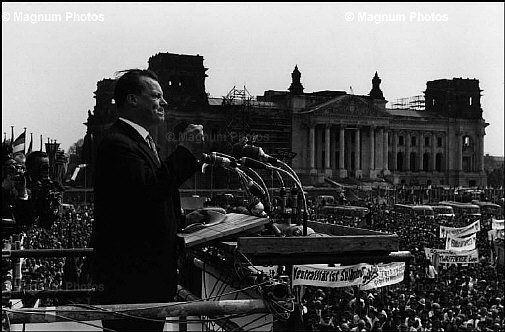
x,y
150,104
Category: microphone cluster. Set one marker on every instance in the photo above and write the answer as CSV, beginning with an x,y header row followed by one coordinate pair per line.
x,y
252,157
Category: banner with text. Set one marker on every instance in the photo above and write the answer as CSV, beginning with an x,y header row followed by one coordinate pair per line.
x,y
430,253
387,274
498,224
370,276
460,231
461,243
459,257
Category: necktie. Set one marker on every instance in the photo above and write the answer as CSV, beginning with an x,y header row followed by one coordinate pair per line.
x,y
150,141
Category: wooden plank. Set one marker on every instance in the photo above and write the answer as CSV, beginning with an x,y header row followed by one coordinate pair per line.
x,y
313,245
327,258
234,223
339,230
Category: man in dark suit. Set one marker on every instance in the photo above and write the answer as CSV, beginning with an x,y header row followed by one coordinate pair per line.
x,y
137,203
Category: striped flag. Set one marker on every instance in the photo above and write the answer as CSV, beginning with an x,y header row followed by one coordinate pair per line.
x,y
30,146
19,144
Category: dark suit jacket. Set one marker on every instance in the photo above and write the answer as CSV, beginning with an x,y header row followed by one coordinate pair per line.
x,y
136,211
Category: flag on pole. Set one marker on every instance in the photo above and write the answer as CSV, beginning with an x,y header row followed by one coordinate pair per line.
x,y
31,143
19,144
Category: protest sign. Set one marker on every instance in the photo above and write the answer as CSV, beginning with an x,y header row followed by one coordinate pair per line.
x,y
461,243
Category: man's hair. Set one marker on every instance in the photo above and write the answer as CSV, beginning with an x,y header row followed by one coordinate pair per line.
x,y
130,83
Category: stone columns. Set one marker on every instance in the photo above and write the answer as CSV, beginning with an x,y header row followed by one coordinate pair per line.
x,y
433,152
395,151
312,148
459,155
357,149
372,148
357,153
341,153
378,159
421,152
327,143
385,157
407,151
480,165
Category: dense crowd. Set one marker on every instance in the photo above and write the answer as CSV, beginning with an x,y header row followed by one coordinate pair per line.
x,y
452,298
71,230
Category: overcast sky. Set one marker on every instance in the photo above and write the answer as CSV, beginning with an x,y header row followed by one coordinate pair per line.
x,y
51,63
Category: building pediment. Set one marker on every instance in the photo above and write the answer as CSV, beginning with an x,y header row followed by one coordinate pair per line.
x,y
347,105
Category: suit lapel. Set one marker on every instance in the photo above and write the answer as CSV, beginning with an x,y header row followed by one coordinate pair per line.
x,y
143,146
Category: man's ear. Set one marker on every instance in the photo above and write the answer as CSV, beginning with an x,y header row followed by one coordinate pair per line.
x,y
131,99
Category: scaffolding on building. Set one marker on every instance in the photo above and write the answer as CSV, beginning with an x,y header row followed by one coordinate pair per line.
x,y
239,116
414,103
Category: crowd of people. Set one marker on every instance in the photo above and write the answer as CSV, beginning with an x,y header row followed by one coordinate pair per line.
x,y
71,230
450,298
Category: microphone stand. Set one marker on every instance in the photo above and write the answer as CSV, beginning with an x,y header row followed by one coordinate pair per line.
x,y
296,180
263,185
300,187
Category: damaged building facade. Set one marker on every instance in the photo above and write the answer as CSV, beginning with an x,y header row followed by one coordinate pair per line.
x,y
326,136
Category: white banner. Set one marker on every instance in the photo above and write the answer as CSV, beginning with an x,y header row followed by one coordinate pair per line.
x,y
498,224
341,276
460,257
364,275
460,231
387,274
461,243
495,234
430,252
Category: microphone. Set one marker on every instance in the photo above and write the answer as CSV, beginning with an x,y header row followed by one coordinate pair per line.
x,y
254,152
215,160
255,189
252,163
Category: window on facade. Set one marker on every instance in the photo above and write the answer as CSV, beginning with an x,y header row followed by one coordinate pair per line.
x,y
400,140
426,141
467,142
470,101
413,141
438,162
426,162
413,159
467,164
439,142
399,161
